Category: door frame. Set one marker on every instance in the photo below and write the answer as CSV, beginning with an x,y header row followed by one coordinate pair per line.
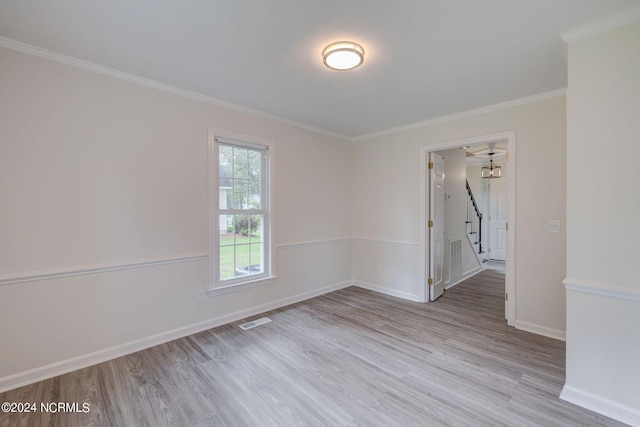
x,y
510,265
436,214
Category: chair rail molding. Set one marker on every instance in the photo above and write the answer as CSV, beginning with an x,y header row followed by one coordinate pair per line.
x,y
95,269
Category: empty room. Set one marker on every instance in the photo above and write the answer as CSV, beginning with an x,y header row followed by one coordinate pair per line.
x,y
283,213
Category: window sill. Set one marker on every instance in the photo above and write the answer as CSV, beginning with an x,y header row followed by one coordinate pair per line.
x,y
241,286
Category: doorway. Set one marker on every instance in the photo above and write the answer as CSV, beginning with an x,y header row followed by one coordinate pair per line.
x,y
504,234
491,194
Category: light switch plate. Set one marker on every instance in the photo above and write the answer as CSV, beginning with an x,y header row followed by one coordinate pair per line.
x,y
554,226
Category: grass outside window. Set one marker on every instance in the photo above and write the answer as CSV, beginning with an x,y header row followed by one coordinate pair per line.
x,y
236,251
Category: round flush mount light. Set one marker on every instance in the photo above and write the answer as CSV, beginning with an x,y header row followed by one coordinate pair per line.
x,y
343,55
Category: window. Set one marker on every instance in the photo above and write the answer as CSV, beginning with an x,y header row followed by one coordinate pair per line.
x,y
240,215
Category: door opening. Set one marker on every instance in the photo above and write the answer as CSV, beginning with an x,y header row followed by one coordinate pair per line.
x,y
503,193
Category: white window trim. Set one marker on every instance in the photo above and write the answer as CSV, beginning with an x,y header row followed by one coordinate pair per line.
x,y
217,287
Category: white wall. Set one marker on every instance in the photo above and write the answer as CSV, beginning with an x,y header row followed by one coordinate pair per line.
x,y
603,289
387,172
103,233
479,186
101,173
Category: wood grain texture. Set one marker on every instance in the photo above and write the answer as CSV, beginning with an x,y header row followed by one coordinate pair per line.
x,y
349,358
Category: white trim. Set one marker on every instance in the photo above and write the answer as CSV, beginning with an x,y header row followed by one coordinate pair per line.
x,y
541,330
472,140
605,24
41,373
267,147
510,266
388,291
242,286
386,242
601,405
230,137
423,266
465,276
601,289
111,72
95,269
510,262
488,109
309,243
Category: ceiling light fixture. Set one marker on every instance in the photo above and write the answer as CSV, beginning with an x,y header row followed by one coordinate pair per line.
x,y
491,171
343,55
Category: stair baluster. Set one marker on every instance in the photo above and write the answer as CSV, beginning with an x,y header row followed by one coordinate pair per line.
x,y
474,218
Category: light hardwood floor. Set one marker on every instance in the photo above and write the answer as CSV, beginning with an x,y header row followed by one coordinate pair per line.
x,y
351,357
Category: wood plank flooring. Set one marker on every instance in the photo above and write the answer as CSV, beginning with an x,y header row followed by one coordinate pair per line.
x,y
349,358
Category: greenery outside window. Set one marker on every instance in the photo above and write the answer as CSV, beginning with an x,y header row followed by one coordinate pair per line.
x,y
240,221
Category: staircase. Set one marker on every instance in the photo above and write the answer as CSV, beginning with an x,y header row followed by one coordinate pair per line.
x,y
474,223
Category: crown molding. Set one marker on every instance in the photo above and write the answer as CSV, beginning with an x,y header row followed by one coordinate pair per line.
x,y
488,109
605,24
112,72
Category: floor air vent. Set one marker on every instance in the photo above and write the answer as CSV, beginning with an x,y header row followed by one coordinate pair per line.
x,y
255,323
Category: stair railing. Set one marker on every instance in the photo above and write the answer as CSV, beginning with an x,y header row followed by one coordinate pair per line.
x,y
474,218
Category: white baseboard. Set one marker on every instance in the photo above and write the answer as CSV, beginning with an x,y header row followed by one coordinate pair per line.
x,y
465,276
601,405
541,330
44,372
388,291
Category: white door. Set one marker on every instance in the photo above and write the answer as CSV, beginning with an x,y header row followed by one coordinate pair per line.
x,y
498,218
435,226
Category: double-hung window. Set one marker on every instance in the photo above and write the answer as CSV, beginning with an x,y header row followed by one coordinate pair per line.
x,y
241,220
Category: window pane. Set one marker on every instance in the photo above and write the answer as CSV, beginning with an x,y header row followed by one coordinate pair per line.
x,y
254,195
255,235
240,167
229,202
225,225
254,164
255,244
240,194
242,259
241,237
257,262
245,224
248,254
226,249
225,166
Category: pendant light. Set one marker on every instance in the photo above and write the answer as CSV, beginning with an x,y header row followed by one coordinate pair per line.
x,y
491,170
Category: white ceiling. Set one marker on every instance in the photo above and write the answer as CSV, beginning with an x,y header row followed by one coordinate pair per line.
x,y
424,58
478,154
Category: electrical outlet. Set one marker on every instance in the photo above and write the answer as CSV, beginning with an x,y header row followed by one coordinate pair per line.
x,y
200,296
554,226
